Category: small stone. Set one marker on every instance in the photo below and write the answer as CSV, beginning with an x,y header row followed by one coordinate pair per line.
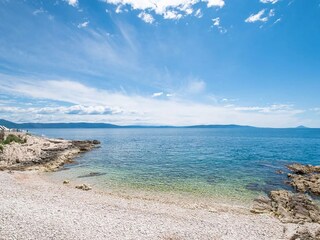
x,y
84,187
66,182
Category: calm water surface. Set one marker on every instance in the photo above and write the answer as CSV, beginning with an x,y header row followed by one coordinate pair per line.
x,y
237,164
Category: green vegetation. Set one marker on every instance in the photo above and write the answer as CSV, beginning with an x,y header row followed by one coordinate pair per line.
x,y
13,138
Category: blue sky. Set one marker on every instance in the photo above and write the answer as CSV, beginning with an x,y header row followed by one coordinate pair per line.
x,y
161,62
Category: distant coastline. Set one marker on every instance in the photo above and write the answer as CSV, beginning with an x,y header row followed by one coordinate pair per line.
x,y
14,125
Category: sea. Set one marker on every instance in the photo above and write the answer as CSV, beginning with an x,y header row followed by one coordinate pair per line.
x,y
225,164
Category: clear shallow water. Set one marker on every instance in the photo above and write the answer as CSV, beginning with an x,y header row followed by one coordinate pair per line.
x,y
236,164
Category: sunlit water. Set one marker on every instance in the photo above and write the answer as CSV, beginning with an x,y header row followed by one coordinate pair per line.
x,y
233,164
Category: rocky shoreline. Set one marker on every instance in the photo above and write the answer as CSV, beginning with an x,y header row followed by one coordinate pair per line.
x,y
295,207
295,210
39,153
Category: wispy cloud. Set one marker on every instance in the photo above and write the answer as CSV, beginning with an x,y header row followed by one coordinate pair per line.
x,y
261,16
38,11
88,104
157,94
275,108
83,25
74,109
198,13
216,23
269,1
196,86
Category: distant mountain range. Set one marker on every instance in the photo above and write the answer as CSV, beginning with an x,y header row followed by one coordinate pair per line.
x,y
9,124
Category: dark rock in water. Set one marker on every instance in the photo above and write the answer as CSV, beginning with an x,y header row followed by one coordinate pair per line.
x,y
265,187
253,187
298,168
85,146
279,172
288,207
92,174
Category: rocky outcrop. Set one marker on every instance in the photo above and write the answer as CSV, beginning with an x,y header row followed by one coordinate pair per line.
x,y
300,169
288,207
40,153
305,234
310,183
306,178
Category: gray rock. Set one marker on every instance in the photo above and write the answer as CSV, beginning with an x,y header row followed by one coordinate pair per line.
x,y
306,178
298,168
288,207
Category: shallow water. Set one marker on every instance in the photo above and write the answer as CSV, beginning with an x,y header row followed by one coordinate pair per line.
x,y
235,164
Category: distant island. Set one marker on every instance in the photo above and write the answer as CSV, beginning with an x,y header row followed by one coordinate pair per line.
x,y
301,126
14,125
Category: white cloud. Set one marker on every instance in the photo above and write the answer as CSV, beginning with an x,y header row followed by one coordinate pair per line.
x,y
216,21
271,13
276,21
83,25
315,110
170,14
174,9
215,3
275,108
38,11
269,1
74,109
118,9
89,104
157,94
73,3
261,16
198,13
146,17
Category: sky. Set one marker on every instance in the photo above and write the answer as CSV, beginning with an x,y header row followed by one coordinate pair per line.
x,y
161,62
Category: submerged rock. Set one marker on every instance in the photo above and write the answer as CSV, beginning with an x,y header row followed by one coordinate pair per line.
x,y
288,207
85,146
92,174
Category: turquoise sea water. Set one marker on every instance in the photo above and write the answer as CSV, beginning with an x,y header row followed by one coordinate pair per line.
x,y
236,164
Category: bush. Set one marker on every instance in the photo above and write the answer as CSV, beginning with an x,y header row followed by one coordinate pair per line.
x,y
13,138
1,148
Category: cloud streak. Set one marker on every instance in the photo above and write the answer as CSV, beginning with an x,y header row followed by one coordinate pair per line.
x,y
89,104
168,9
261,16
